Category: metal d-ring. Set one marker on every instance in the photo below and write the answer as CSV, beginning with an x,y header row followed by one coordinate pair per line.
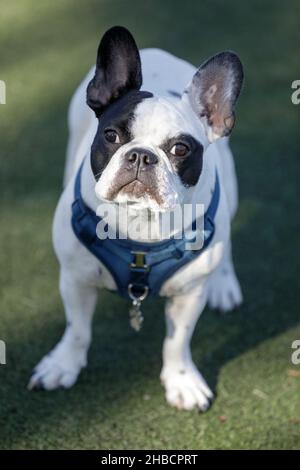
x,y
139,298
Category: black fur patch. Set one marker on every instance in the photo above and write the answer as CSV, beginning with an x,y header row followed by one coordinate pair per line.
x,y
117,116
118,69
188,167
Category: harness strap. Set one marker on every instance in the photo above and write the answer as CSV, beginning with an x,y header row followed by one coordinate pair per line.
x,y
138,268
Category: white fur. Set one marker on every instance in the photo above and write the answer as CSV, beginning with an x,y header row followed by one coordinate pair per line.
x,y
210,277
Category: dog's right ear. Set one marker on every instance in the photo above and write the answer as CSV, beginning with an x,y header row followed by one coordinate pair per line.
x,y
118,69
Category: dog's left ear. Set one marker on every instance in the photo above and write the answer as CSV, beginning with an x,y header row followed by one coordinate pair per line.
x,y
214,91
118,69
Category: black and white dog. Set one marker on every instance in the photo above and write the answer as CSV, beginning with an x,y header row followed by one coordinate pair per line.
x,y
152,148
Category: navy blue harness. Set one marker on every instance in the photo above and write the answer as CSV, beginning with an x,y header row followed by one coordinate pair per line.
x,y
139,269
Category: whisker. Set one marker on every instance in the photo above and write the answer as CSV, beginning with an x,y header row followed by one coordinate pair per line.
x,y
97,176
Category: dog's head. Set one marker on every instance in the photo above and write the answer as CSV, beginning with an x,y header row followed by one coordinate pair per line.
x,y
150,150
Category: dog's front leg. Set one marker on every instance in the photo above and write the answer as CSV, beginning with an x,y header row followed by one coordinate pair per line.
x,y
185,387
61,367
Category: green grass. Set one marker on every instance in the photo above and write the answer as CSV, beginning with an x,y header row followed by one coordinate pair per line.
x,y
45,49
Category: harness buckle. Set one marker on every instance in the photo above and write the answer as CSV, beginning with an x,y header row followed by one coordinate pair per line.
x,y
139,260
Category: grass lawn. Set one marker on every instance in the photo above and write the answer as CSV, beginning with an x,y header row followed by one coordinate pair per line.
x,y
45,49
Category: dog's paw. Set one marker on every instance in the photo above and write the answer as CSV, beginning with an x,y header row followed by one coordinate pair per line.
x,y
186,389
224,292
60,368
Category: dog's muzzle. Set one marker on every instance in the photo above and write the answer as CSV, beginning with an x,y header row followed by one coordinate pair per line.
x,y
137,176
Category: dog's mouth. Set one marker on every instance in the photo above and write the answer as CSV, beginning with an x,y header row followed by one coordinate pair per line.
x,y
136,189
136,193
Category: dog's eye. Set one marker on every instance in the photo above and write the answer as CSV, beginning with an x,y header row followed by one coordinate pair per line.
x,y
111,136
180,149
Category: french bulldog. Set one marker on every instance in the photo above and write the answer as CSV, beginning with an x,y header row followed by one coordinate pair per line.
x,y
152,147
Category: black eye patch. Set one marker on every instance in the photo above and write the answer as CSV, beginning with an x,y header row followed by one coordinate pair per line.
x,y
189,166
116,117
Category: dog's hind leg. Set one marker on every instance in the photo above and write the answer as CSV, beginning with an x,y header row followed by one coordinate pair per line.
x,y
61,367
224,291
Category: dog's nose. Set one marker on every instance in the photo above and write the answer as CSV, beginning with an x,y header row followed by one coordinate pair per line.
x,y
141,157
